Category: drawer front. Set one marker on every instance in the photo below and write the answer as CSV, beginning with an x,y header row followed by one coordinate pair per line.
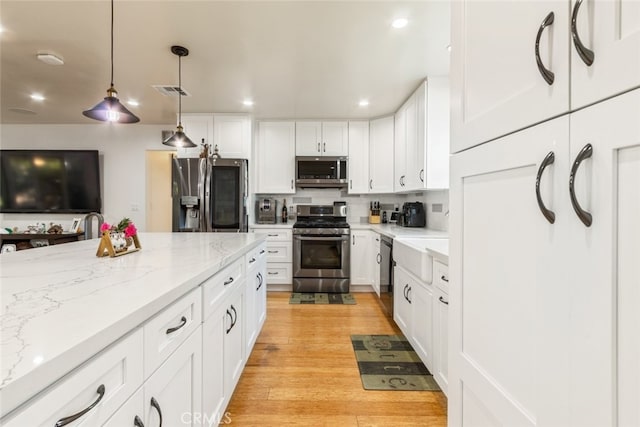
x,y
441,275
279,251
167,330
115,374
279,273
275,235
253,258
219,285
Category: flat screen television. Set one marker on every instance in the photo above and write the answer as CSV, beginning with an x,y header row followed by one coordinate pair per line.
x,y
50,181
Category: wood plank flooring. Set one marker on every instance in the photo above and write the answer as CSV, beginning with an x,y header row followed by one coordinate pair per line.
x,y
303,372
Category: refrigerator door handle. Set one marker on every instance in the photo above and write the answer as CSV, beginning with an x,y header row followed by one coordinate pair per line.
x,y
203,184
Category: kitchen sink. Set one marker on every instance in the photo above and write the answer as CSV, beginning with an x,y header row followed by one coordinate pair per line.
x,y
416,255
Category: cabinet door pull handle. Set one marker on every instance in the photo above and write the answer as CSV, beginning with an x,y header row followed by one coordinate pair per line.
x,y
443,301
231,324
584,53
261,251
156,405
138,422
271,273
351,184
378,258
324,147
235,316
406,292
584,216
370,184
547,74
183,321
444,278
292,184
273,252
318,147
409,294
548,214
228,282
259,282
272,235
252,260
421,175
71,418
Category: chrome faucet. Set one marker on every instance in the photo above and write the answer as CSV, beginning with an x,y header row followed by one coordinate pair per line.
x,y
88,222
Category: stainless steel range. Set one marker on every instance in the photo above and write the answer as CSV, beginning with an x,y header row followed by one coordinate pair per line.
x,y
321,248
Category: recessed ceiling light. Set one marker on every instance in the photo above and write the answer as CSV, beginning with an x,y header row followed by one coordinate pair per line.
x,y
50,58
1,29
363,103
399,22
133,102
37,97
247,102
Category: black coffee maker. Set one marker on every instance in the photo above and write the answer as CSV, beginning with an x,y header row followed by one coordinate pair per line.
x,y
413,215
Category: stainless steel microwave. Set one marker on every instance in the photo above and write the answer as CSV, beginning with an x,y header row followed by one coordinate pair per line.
x,y
321,172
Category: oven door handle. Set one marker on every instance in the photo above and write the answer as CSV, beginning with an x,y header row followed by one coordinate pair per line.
x,y
321,239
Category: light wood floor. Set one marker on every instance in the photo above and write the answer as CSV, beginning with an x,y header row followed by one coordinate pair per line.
x,y
303,372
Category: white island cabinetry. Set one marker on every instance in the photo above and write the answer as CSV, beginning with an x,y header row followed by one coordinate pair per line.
x,y
139,352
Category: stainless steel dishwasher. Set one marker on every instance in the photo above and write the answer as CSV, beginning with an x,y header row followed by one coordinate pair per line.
x,y
385,259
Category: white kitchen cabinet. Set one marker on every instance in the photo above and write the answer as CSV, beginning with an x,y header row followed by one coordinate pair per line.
x,y
358,162
234,348
279,255
255,295
130,413
322,138
361,259
232,135
199,128
402,284
214,395
611,30
509,294
381,132
103,384
173,393
376,259
275,154
421,328
400,143
441,325
496,85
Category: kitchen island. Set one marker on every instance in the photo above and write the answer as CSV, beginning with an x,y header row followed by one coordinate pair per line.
x,y
62,305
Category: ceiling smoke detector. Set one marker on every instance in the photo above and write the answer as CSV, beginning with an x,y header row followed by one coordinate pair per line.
x,y
50,59
171,90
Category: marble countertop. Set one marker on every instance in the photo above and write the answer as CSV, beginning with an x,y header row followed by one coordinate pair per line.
x,y
61,304
397,232
278,225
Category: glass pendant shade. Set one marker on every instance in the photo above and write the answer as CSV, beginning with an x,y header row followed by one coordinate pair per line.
x,y
111,110
179,139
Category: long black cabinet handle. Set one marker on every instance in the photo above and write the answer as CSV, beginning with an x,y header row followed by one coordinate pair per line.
x,y
405,291
71,418
585,153
156,405
409,294
228,282
421,176
548,214
443,301
183,321
378,258
547,74
259,277
138,422
231,324
261,251
252,260
235,316
584,53
444,278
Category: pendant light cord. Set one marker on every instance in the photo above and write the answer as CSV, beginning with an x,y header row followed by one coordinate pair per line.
x,y
180,90
112,43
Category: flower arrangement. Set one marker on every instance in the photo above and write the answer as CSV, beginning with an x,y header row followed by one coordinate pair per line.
x,y
125,226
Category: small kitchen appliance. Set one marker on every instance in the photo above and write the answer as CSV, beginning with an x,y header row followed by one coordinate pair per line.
x,y
413,215
266,211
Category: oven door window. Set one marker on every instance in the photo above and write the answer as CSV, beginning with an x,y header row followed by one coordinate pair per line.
x,y
322,255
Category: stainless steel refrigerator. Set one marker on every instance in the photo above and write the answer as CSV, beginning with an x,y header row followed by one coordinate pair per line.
x,y
209,195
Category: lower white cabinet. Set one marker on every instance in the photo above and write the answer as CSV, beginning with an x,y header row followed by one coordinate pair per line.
x,y
441,325
402,286
279,255
361,259
233,345
255,296
376,258
173,394
214,398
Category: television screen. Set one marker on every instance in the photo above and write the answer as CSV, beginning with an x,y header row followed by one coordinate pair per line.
x,y
56,181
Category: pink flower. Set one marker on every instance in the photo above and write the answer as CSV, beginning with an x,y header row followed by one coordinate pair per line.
x,y
130,231
105,227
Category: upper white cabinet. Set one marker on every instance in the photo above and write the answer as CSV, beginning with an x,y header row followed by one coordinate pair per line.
x,y
358,163
421,142
322,138
381,155
497,86
232,135
199,128
610,29
275,157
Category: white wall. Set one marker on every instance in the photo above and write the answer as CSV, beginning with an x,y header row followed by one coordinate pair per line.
x,y
122,149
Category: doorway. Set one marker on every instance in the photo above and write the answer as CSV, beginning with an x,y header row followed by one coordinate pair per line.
x,y
158,179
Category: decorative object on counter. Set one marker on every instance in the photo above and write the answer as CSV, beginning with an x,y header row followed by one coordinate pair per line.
x,y
374,213
37,228
110,109
388,362
117,240
321,298
54,229
285,216
75,225
179,138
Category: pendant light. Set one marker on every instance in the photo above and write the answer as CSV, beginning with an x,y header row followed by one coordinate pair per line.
x,y
110,109
179,138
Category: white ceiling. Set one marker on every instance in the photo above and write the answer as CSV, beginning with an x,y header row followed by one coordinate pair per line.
x,y
296,59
